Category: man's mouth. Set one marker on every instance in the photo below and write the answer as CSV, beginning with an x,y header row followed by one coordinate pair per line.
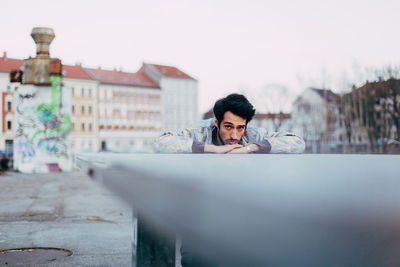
x,y
231,141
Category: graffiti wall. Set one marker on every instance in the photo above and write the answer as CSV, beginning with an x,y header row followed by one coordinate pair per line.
x,y
42,125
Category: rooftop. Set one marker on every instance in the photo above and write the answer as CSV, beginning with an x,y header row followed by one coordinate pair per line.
x,y
170,71
104,76
9,64
121,78
75,72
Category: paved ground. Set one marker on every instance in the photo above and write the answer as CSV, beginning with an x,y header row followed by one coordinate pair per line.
x,y
65,210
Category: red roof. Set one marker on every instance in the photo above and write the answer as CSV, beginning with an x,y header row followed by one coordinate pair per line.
x,y
121,78
9,64
75,72
381,88
170,71
104,76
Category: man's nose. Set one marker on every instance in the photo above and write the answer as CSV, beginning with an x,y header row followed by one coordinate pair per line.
x,y
234,134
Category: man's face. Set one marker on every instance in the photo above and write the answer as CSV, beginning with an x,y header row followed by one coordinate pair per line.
x,y
231,129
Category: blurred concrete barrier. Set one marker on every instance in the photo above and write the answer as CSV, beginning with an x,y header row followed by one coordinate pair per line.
x,y
264,210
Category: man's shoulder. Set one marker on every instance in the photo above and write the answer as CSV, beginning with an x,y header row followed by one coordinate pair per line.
x,y
255,130
205,123
200,126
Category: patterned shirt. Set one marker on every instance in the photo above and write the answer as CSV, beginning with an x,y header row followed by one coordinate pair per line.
x,y
192,140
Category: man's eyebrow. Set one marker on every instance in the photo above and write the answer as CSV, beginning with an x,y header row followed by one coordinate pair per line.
x,y
230,123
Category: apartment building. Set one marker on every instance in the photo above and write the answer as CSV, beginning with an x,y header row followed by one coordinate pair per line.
x,y
113,110
179,95
7,107
84,117
129,110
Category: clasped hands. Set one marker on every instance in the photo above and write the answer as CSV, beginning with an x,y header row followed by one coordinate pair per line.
x,y
231,149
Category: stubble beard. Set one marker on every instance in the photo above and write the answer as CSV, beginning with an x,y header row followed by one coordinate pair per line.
x,y
221,141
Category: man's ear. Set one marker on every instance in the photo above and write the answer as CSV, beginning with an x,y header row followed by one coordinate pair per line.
x,y
216,123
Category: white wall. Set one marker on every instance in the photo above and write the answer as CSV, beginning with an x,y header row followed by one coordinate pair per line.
x,y
137,116
180,101
38,141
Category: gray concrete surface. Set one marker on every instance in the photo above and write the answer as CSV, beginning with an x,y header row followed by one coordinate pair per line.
x,y
65,210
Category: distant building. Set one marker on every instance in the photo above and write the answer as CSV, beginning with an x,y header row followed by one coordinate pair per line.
x,y
370,115
110,109
179,95
129,110
7,90
113,110
84,118
315,117
74,80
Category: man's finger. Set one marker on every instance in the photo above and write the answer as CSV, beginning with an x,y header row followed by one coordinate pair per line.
x,y
232,147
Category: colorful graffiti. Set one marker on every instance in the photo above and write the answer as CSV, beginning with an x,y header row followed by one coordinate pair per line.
x,y
25,149
55,124
42,129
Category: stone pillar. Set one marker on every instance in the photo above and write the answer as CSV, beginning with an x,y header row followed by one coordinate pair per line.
x,y
42,120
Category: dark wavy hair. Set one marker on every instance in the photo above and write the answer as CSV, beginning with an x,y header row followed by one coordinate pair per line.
x,y
235,103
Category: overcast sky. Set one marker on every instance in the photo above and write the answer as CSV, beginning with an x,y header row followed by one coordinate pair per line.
x,y
227,45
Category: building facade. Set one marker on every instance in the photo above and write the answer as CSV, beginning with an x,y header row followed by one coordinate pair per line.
x,y
179,95
84,117
129,110
315,117
113,110
7,107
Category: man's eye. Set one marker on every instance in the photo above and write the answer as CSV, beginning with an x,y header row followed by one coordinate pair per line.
x,y
228,127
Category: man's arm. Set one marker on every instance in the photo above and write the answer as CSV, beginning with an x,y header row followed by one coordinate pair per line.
x,y
283,142
186,142
221,149
171,142
250,148
275,142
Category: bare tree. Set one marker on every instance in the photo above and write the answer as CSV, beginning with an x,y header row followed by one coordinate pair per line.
x,y
390,95
275,99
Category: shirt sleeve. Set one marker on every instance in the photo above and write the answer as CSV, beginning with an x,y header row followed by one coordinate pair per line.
x,y
183,142
276,142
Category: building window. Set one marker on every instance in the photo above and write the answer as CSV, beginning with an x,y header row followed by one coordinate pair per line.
x,y
83,91
9,106
73,109
9,125
83,109
90,127
83,126
90,92
90,110
72,91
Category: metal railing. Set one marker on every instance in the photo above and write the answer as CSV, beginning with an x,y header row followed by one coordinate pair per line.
x,y
259,210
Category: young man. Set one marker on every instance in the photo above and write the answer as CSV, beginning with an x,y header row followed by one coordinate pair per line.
x,y
228,133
